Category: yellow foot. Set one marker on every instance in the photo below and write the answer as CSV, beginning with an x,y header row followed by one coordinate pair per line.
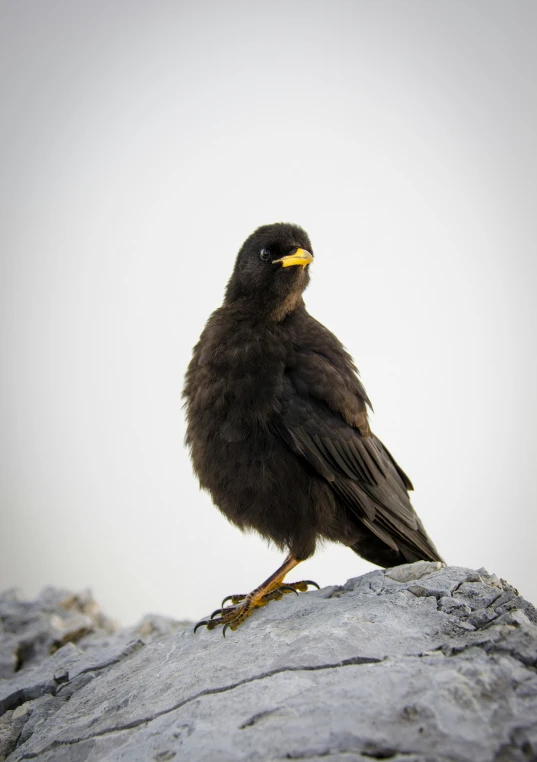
x,y
243,605
291,587
272,589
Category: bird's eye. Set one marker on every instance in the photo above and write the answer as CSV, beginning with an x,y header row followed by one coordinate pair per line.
x,y
264,254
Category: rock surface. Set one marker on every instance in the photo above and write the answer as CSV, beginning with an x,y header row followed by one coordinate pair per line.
x,y
419,663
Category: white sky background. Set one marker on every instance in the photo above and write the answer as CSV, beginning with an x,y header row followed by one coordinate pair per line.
x,y
141,143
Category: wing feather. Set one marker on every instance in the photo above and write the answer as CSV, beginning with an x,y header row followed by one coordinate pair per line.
x,y
359,468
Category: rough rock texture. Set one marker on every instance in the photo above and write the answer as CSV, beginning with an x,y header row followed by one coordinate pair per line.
x,y
413,664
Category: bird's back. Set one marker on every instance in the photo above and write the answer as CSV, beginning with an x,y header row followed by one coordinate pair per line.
x,y
324,418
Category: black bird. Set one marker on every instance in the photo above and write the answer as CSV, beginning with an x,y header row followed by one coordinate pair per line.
x,y
278,429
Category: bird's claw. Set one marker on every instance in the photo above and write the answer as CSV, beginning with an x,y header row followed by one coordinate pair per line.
x,y
200,624
304,585
243,605
286,589
231,617
233,598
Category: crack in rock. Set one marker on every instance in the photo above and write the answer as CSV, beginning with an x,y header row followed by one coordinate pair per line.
x,y
355,661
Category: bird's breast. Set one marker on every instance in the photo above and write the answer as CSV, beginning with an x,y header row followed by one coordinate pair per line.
x,y
235,383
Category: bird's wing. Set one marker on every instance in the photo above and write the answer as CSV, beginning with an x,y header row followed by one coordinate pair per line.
x,y
356,464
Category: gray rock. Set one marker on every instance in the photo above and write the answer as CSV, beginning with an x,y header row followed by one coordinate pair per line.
x,y
31,630
420,663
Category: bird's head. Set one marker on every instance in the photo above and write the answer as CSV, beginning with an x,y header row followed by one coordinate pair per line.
x,y
271,270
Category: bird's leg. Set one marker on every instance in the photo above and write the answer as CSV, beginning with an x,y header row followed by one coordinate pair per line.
x,y
270,590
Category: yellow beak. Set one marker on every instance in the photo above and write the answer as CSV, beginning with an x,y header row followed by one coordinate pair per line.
x,y
298,257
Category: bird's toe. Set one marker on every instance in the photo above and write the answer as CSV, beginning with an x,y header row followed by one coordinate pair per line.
x,y
237,598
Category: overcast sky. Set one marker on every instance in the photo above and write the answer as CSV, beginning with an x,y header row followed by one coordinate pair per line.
x,y
141,143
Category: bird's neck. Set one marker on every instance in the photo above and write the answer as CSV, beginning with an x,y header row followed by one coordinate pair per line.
x,y
256,310
286,307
